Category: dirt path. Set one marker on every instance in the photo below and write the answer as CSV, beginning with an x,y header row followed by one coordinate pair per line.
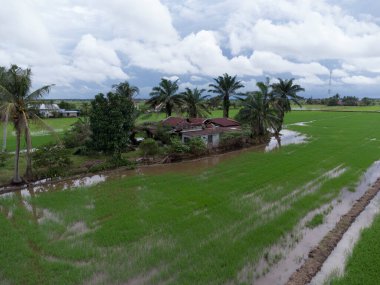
x,y
321,252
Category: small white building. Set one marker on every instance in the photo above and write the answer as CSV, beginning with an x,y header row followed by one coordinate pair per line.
x,y
210,136
53,110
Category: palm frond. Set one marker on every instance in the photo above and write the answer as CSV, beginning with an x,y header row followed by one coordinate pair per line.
x,y
39,93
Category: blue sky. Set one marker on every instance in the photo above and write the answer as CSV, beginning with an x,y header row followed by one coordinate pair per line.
x,y
86,46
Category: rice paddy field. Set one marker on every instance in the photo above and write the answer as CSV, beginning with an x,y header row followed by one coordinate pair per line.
x,y
363,265
40,133
372,108
210,226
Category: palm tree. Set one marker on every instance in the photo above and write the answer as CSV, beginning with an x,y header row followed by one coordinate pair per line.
x,y
3,111
284,93
164,96
16,99
225,86
195,103
258,112
124,88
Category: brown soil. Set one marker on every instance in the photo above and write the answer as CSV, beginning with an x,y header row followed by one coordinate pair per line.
x,y
321,252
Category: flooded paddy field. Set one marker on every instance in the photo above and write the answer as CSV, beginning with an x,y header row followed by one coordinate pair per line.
x,y
212,224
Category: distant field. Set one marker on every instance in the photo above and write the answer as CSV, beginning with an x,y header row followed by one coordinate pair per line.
x,y
160,116
338,108
208,227
40,135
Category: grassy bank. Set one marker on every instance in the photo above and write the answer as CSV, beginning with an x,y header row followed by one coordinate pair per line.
x,y
204,228
363,265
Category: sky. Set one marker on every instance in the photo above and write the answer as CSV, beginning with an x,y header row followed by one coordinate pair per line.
x,y
86,46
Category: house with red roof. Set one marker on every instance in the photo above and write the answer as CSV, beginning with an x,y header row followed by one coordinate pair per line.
x,y
209,130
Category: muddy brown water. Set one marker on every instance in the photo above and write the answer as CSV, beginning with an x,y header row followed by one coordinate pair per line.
x,y
295,253
186,167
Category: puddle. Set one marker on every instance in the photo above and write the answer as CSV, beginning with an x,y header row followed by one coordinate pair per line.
x,y
287,137
188,167
41,133
335,263
296,246
302,124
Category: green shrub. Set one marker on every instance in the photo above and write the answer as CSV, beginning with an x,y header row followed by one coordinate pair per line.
x,y
163,134
197,146
149,147
3,158
176,146
78,135
51,161
232,140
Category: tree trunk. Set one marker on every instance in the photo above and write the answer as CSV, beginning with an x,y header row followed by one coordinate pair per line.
x,y
226,106
28,140
16,177
5,132
279,128
168,111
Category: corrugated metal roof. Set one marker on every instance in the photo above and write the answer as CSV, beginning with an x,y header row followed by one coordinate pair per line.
x,y
209,131
224,122
172,121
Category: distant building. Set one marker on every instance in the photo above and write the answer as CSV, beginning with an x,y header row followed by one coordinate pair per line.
x,y
53,110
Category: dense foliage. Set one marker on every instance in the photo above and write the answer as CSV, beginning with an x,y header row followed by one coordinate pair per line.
x,y
51,161
111,121
78,135
197,146
149,147
232,140
176,146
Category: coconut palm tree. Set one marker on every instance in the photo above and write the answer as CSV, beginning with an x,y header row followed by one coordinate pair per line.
x,y
165,96
283,94
4,113
124,88
258,112
16,99
195,103
226,86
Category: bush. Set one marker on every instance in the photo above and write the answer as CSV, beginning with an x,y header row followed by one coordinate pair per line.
x,y
232,140
51,161
149,147
163,134
78,135
3,158
176,146
197,146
